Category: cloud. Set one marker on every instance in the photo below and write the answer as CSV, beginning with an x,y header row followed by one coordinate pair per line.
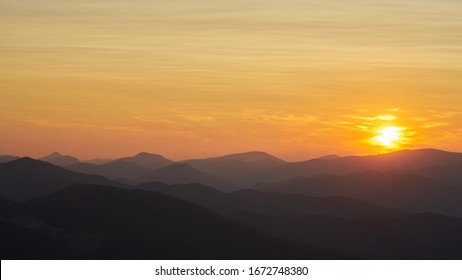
x,y
434,124
150,119
173,117
398,110
279,118
47,123
196,118
363,123
383,117
440,114
288,118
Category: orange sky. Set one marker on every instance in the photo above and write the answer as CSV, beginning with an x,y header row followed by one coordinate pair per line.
x,y
297,79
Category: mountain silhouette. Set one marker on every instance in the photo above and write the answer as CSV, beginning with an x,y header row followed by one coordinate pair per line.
x,y
401,205
419,236
60,160
254,156
124,170
7,158
274,204
101,222
409,160
247,169
242,169
97,161
6,207
181,173
328,157
18,242
152,161
115,170
449,173
399,190
26,179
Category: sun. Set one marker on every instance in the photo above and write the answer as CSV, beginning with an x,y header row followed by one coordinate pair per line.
x,y
388,136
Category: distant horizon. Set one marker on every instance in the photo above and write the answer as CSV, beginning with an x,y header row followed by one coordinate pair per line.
x,y
83,159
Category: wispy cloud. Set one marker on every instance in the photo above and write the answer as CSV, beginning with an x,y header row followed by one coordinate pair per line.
x,y
173,116
434,124
48,123
384,117
280,118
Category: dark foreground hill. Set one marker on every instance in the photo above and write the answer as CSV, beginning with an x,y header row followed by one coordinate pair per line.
x,y
423,236
100,222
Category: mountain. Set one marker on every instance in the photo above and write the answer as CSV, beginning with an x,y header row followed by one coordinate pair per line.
x,y
253,157
181,173
101,222
242,170
450,173
97,161
18,242
422,236
60,160
247,169
399,190
26,179
6,206
274,204
409,160
115,170
124,170
330,157
7,158
152,161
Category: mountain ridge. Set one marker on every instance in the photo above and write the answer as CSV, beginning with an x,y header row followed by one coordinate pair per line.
x,y
115,223
26,178
59,159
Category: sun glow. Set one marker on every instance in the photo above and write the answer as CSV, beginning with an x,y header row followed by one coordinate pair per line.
x,y
388,136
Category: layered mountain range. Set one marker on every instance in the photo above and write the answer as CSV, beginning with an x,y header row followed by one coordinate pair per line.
x,y
239,206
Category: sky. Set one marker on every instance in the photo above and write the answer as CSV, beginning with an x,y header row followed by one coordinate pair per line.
x,y
187,79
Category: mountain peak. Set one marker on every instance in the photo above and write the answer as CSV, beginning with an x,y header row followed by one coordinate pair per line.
x,y
148,160
252,156
27,162
52,156
329,157
147,155
59,159
23,160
